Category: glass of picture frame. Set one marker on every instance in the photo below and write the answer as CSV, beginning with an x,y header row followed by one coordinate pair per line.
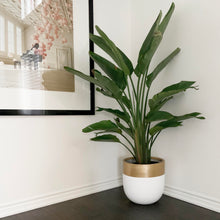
x,y
39,38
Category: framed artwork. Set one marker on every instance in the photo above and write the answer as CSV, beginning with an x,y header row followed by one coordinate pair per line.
x,y
37,39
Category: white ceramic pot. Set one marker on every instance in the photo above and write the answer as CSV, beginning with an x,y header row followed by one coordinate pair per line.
x,y
143,183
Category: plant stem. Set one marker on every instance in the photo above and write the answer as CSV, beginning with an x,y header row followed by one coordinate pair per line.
x,y
128,150
124,109
154,139
146,100
138,146
133,87
128,141
143,104
148,156
147,142
129,93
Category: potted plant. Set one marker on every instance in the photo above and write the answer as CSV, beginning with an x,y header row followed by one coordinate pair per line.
x,y
139,119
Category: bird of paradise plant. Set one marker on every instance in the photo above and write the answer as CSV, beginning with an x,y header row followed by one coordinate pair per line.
x,y
139,120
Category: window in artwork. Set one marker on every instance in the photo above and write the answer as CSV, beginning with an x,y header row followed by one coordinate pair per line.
x,y
2,33
11,37
18,41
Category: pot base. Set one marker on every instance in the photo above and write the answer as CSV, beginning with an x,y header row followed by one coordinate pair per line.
x,y
143,190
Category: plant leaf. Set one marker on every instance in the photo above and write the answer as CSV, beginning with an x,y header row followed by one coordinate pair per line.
x,y
108,84
183,85
110,69
106,138
127,61
144,61
188,116
83,76
123,128
174,122
114,50
163,115
160,67
161,103
122,115
147,43
152,41
169,91
106,93
102,44
163,25
126,102
110,89
158,116
105,125
164,124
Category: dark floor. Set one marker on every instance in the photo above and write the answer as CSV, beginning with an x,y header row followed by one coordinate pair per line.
x,y
112,204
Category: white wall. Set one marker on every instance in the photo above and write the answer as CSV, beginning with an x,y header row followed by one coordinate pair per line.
x,y
44,160
191,152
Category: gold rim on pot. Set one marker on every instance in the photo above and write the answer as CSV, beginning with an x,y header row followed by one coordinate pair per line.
x,y
144,170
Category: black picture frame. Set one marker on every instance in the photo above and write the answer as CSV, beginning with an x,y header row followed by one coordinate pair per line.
x,y
42,112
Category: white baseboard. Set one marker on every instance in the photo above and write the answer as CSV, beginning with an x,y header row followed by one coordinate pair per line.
x,y
194,198
61,196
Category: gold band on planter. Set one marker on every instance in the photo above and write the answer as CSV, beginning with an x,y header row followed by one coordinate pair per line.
x,y
144,170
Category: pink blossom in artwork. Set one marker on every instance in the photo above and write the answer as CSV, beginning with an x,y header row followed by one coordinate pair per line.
x,y
54,22
64,40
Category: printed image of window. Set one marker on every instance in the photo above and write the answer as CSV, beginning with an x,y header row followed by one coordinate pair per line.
x,y
37,2
18,41
27,6
11,35
2,33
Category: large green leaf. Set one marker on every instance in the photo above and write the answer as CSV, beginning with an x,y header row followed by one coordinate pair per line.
x,y
183,85
126,102
108,84
152,41
163,115
147,44
160,67
188,116
104,92
115,51
122,115
174,121
158,116
102,44
127,62
111,90
145,60
83,76
163,25
123,128
105,125
106,138
169,91
108,87
164,124
110,69
162,103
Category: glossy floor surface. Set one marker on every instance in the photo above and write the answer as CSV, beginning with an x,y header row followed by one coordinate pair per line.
x,y
112,204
